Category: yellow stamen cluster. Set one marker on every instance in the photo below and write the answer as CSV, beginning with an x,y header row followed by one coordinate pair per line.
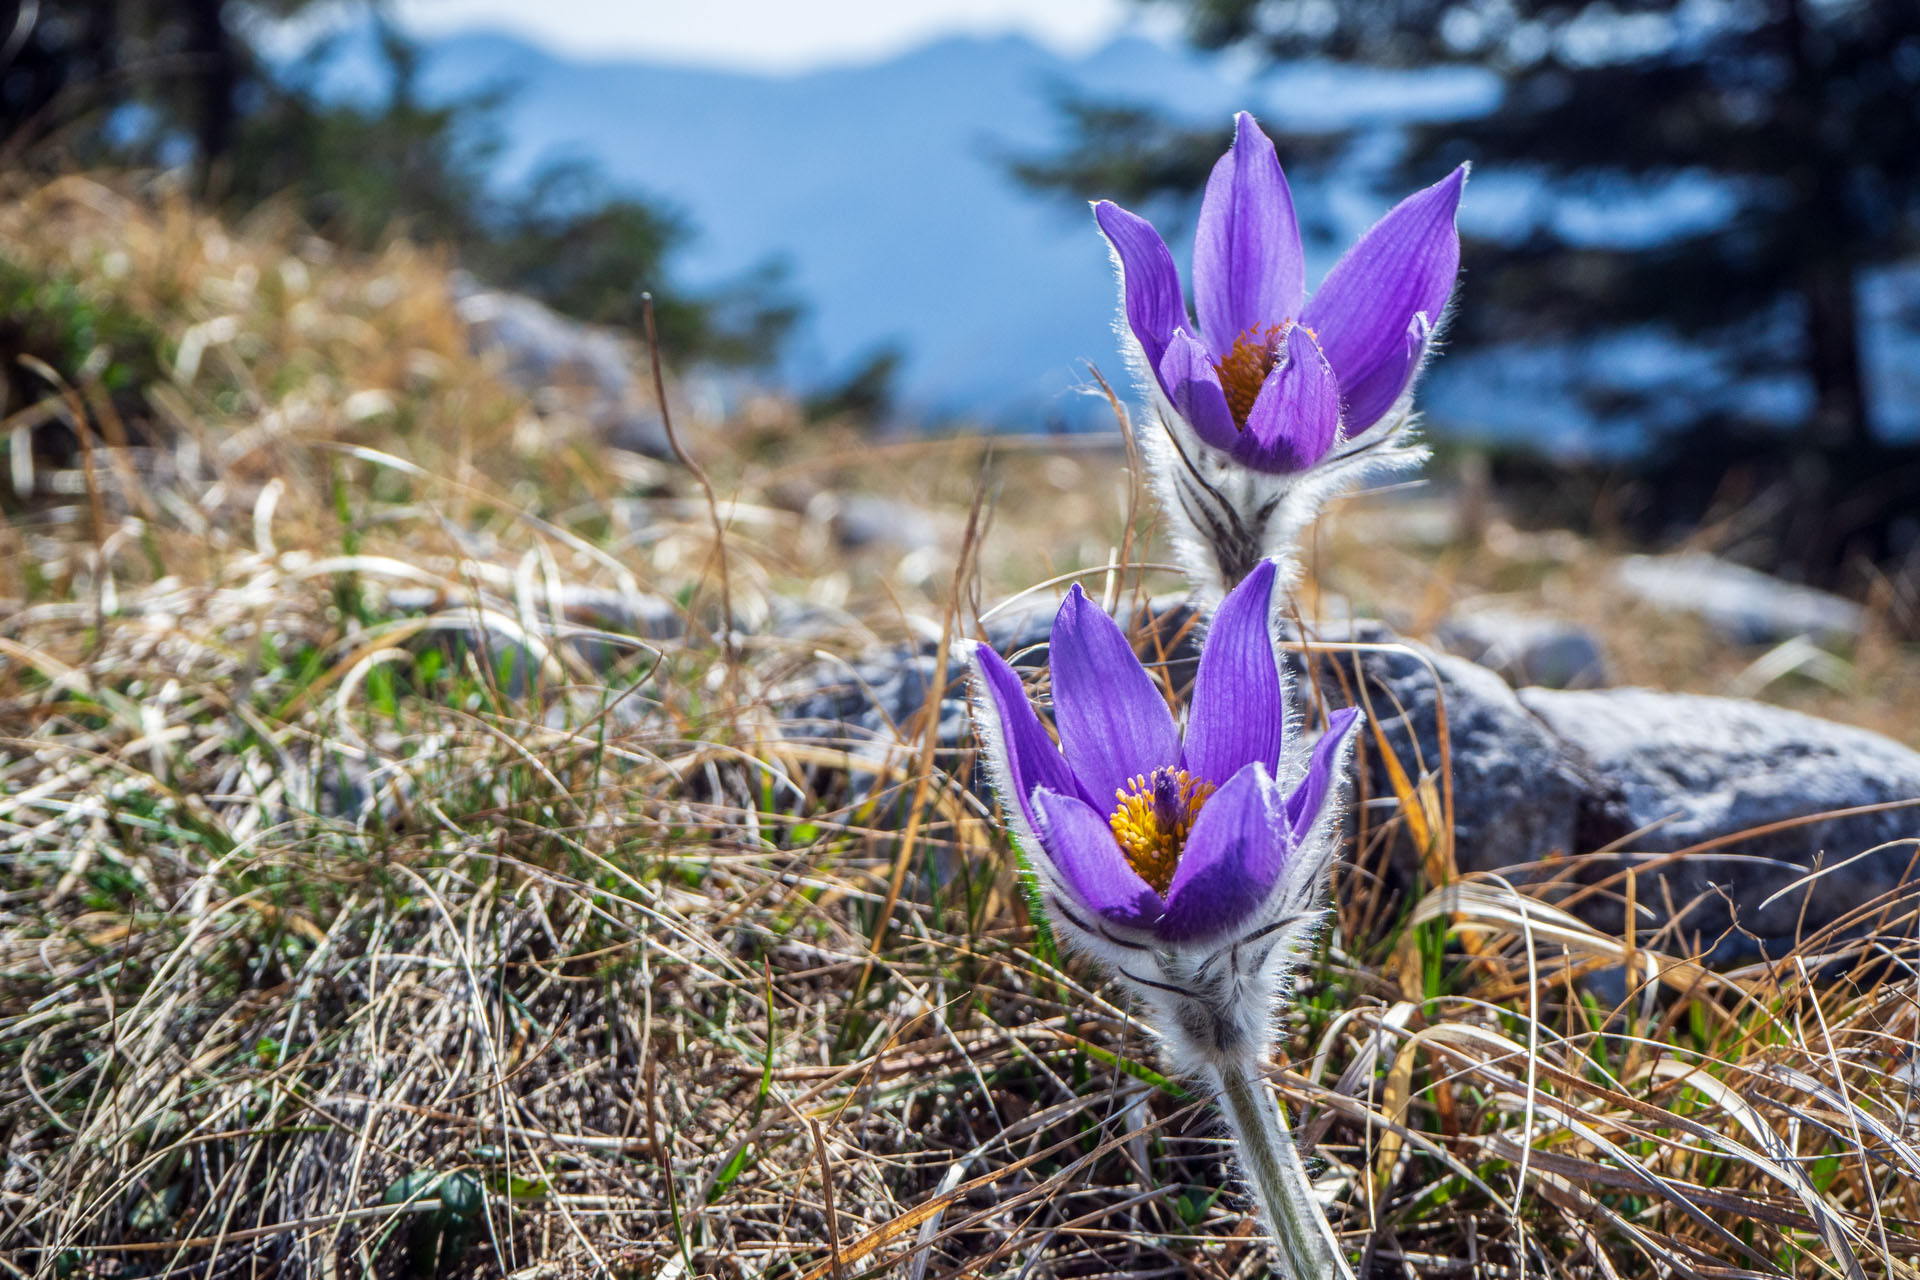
x,y
1155,814
1243,370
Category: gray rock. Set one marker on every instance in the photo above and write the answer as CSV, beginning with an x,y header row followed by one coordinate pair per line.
x,y
795,619
1525,648
864,520
1536,773
1541,772
573,368
876,704
592,623
648,616
1745,606
1516,795
1682,770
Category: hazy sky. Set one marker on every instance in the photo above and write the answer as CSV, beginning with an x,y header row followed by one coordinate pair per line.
x,y
769,35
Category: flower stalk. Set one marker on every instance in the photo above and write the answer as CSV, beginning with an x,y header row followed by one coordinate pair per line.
x,y
1288,1207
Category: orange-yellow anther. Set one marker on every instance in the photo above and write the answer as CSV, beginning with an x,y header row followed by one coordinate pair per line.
x,y
1155,813
1244,369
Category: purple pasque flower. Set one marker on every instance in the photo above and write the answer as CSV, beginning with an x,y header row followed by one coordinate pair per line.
x,y
1142,838
1270,377
1193,865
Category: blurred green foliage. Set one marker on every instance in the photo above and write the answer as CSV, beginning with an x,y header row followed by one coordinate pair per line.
x,y
88,340
867,392
84,337
170,82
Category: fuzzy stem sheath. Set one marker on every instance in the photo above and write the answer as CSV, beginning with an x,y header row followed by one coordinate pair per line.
x,y
1307,1249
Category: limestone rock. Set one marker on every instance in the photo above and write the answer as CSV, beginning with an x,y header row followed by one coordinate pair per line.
x,y
1525,648
1535,773
1742,604
568,367
1684,770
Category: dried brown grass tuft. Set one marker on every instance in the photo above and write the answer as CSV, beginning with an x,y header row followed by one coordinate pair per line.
x,y
396,878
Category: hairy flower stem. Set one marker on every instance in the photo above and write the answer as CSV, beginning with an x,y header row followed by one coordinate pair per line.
x,y
1307,1249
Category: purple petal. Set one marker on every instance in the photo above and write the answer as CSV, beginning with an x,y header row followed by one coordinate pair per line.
x,y
1188,377
1113,721
1032,759
1080,845
1234,855
1369,402
1238,713
1297,413
1148,280
1404,266
1248,269
1304,805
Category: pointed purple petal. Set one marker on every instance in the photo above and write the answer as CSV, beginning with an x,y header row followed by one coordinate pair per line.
x,y
1405,265
1148,280
1369,402
1238,713
1297,413
1304,805
1248,269
1188,377
1113,721
1032,759
1234,854
1080,845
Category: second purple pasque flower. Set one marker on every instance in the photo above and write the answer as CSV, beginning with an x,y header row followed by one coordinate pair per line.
x,y
1138,833
1269,376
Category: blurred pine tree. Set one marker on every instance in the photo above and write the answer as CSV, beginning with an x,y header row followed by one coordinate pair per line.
x,y
1803,115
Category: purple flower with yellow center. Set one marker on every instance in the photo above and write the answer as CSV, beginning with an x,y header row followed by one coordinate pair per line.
x,y
1194,866
1268,376
1138,835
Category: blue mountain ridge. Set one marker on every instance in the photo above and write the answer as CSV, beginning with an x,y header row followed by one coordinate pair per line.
x,y
885,189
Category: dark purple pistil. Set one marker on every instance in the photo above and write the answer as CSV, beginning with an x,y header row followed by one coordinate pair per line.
x,y
1169,806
